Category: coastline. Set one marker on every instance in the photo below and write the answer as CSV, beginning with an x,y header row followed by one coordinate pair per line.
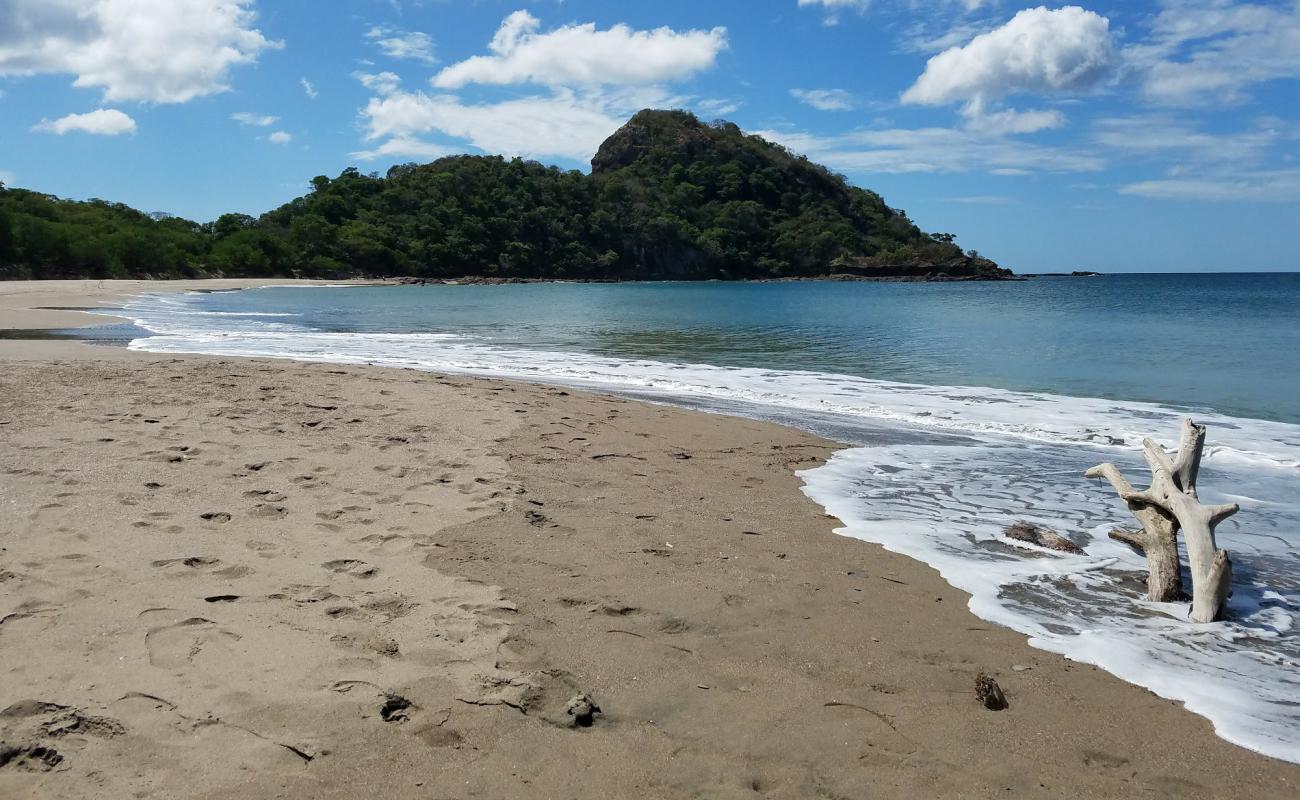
x,y
662,560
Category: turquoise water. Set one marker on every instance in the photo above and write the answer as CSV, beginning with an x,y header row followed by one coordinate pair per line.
x,y
967,406
1230,343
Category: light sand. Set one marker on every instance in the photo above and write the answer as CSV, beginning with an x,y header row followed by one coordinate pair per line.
x,y
483,551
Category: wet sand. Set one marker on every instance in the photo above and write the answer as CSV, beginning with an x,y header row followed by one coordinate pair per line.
x,y
251,578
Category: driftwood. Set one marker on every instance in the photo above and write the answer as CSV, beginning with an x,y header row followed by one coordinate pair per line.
x,y
1166,507
1158,539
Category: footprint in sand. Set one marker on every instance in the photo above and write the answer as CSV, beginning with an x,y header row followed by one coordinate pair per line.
x,y
29,758
215,516
31,609
303,594
54,720
263,549
351,566
268,511
387,542
178,645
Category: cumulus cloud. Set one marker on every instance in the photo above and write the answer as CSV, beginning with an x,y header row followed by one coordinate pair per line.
x,y
1038,51
1211,50
581,54
563,125
406,147
101,122
380,83
309,88
168,52
280,137
254,120
824,99
412,45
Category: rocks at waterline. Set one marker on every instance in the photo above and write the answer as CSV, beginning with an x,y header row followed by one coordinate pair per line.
x,y
1043,537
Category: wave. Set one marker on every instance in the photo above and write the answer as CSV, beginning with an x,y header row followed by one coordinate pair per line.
x,y
1104,424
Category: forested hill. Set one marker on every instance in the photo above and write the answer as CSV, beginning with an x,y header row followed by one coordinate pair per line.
x,y
668,197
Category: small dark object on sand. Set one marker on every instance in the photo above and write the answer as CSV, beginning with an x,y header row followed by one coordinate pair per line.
x,y
582,709
1034,534
395,708
989,693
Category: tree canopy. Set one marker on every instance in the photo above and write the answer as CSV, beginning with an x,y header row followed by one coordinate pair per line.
x,y
668,196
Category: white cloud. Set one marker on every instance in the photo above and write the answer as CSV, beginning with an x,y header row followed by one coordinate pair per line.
x,y
280,137
927,36
834,7
1163,136
716,107
101,122
382,83
309,88
1230,166
160,52
581,54
1010,121
858,4
1037,51
824,99
1264,186
254,120
406,147
1213,50
938,150
412,45
562,125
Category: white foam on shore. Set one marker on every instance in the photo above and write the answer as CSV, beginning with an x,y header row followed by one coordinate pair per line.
x,y
947,505
987,457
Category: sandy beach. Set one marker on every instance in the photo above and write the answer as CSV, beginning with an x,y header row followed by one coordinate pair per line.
x,y
262,579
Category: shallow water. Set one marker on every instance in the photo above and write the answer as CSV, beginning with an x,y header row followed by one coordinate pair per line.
x,y
970,406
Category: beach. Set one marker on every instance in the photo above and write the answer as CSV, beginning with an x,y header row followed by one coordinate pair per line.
x,y
258,578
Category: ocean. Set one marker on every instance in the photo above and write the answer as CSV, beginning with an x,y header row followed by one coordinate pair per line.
x,y
966,407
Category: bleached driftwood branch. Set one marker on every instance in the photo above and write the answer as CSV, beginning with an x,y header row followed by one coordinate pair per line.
x,y
1168,505
1158,539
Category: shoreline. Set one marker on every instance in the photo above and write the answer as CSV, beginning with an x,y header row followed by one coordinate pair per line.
x,y
688,620
43,304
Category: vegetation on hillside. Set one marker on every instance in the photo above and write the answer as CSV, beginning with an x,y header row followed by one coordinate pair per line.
x,y
668,197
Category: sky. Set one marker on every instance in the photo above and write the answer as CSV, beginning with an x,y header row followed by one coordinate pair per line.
x,y
1121,136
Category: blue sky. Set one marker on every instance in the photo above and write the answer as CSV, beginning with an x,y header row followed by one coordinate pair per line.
x,y
1136,136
